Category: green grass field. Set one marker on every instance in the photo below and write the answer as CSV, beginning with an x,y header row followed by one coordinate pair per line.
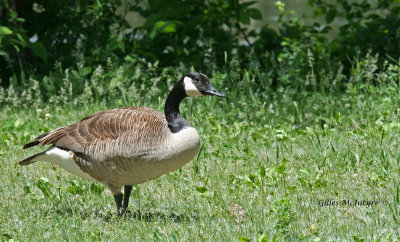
x,y
272,166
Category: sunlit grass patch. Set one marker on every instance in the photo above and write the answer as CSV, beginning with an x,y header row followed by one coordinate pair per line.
x,y
272,165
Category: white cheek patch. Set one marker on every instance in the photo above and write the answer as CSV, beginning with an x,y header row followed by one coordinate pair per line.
x,y
190,89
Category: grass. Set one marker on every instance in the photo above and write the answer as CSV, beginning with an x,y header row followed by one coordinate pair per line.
x,y
272,166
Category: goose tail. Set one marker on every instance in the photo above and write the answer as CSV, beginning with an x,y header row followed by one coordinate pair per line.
x,y
30,159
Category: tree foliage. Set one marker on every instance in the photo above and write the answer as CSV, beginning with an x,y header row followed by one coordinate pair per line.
x,y
42,36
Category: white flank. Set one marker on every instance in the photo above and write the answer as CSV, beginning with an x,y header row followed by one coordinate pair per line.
x,y
190,89
64,159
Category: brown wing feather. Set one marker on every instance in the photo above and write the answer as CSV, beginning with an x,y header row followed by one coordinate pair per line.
x,y
118,128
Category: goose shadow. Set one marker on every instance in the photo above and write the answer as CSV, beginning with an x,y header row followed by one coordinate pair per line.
x,y
148,216
137,215
151,216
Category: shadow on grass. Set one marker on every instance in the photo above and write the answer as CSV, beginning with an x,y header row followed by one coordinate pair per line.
x,y
137,215
149,217
108,216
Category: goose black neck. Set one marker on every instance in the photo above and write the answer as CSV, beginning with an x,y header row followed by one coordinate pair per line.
x,y
174,118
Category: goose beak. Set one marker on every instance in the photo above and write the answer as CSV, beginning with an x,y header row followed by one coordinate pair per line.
x,y
212,91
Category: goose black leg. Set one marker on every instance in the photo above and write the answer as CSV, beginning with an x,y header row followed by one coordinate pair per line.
x,y
118,201
127,193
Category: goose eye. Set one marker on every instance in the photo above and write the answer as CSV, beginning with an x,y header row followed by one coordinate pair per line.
x,y
197,79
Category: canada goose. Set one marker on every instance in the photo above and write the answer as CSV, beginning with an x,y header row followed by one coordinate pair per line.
x,y
127,146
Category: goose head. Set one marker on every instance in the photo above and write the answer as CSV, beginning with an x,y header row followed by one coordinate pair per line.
x,y
198,84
